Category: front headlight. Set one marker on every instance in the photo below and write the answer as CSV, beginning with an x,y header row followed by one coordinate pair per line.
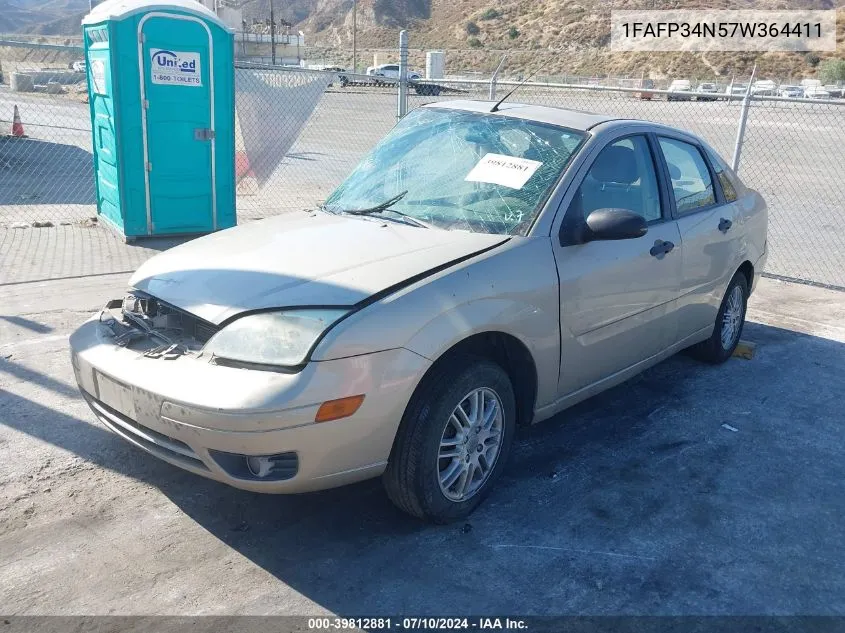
x,y
273,338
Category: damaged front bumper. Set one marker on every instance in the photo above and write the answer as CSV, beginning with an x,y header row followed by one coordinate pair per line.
x,y
166,398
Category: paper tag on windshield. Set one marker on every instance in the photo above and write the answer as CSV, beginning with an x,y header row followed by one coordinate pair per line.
x,y
508,171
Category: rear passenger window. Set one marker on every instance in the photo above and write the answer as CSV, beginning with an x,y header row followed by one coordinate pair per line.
x,y
691,181
724,177
622,177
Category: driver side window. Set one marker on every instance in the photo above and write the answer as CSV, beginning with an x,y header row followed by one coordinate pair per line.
x,y
622,177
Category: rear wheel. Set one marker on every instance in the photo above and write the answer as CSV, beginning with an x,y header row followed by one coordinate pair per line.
x,y
453,441
729,323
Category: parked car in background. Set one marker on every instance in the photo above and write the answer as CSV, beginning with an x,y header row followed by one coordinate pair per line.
x,y
706,91
646,84
836,92
436,301
736,89
816,92
764,88
791,92
78,66
681,89
391,71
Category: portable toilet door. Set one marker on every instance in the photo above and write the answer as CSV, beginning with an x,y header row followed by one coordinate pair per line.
x,y
170,86
178,97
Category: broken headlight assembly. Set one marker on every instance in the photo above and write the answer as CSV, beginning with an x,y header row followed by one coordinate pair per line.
x,y
280,339
159,330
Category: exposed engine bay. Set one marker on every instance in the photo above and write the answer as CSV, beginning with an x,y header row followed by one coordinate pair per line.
x,y
159,330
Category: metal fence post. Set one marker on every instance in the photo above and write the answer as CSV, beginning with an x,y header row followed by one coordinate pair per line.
x,y
402,106
493,78
743,119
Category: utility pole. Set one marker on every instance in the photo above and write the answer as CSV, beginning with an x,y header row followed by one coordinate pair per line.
x,y
354,36
272,34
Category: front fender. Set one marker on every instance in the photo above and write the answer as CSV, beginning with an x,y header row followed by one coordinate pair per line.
x,y
534,326
511,289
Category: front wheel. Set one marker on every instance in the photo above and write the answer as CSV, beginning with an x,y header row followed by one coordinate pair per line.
x,y
453,440
729,323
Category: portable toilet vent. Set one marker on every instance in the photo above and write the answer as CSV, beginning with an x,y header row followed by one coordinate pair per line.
x,y
161,86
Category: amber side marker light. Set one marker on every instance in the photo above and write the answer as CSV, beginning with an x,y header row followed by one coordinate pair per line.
x,y
336,409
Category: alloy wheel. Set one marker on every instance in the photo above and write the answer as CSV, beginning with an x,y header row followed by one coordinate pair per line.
x,y
470,444
732,318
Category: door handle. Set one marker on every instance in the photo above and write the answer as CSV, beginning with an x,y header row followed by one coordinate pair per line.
x,y
660,248
725,225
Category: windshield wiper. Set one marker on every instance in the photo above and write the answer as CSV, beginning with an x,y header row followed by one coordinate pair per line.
x,y
385,206
407,219
379,207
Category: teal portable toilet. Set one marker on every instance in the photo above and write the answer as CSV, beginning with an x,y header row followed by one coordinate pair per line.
x,y
161,87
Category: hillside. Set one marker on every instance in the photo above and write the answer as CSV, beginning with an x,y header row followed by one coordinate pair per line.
x,y
558,36
45,17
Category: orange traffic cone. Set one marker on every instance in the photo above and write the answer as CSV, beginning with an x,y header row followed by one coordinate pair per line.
x,y
17,126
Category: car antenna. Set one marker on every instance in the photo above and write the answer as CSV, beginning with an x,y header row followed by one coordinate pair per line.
x,y
495,108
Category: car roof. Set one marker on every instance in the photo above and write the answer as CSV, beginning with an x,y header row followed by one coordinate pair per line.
x,y
573,119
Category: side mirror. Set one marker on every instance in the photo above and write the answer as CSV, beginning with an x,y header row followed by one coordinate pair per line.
x,y
614,224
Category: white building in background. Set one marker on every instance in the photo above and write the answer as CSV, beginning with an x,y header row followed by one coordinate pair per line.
x,y
231,12
227,10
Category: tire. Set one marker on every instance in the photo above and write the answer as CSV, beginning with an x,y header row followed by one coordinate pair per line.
x,y
414,470
714,350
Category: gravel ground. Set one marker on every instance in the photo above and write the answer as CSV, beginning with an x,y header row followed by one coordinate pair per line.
x,y
691,489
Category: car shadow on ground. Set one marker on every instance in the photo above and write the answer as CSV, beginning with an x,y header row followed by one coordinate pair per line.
x,y
36,172
29,324
690,489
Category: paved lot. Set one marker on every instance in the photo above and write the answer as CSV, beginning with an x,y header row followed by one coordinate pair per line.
x,y
689,490
794,154
70,252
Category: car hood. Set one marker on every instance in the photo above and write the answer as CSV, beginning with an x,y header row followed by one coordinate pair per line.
x,y
300,259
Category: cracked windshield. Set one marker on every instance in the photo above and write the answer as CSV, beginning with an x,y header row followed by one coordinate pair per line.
x,y
459,170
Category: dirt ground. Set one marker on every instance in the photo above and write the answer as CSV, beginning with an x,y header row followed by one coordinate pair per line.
x,y
691,489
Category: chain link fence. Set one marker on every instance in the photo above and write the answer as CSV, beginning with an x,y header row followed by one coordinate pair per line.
x,y
45,176
792,152
300,132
